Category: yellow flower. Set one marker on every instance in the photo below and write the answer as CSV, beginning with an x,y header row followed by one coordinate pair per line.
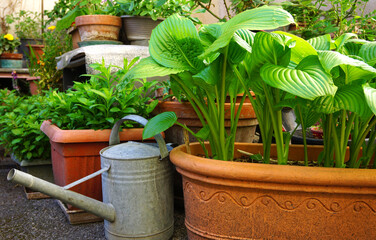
x,y
51,28
9,37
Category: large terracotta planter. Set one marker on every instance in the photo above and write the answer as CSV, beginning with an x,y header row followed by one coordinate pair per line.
x,y
33,85
234,200
186,115
75,154
98,27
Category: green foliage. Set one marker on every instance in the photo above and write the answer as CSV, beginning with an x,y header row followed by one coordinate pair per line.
x,y
8,43
56,43
203,70
27,24
20,121
99,102
154,8
281,69
317,18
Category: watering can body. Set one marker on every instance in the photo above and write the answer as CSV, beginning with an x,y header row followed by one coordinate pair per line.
x,y
137,185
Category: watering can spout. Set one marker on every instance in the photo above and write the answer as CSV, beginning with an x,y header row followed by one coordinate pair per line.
x,y
106,211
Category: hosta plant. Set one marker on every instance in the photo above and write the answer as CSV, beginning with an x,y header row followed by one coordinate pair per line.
x,y
280,68
202,64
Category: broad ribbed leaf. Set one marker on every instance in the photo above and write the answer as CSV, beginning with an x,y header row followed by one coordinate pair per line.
x,y
301,49
308,81
353,68
175,43
267,48
158,124
352,46
240,45
341,41
147,67
370,95
351,97
321,42
262,18
368,53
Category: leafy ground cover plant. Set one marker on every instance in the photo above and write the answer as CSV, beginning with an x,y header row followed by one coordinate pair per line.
x,y
20,121
200,65
99,102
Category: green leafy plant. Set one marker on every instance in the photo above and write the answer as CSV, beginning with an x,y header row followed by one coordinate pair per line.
x,y
282,70
201,65
20,122
154,9
85,7
336,17
8,43
55,43
27,24
99,102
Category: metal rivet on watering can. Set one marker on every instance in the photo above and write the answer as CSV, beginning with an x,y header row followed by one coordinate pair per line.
x,y
139,186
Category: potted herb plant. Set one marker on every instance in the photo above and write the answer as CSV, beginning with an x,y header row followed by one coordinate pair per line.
x,y
20,121
141,17
80,122
232,199
8,57
95,21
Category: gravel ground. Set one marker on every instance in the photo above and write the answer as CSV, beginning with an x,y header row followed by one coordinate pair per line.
x,y
43,219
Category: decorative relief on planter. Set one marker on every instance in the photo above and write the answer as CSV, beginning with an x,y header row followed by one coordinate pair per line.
x,y
267,200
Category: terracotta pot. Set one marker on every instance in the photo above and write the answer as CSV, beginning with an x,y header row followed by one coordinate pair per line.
x,y
138,29
234,200
73,31
98,27
75,154
37,49
33,85
186,115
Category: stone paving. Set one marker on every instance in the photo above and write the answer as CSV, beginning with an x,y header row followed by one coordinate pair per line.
x,y
21,218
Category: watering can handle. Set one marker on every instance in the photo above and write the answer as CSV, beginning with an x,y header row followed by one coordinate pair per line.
x,y
115,139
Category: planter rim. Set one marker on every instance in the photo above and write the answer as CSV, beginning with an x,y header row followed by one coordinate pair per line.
x,y
6,55
270,173
87,135
93,19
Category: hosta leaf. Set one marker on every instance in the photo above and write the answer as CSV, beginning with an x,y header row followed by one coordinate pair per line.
x,y
177,48
341,41
147,67
353,46
353,68
351,97
368,53
262,18
240,45
308,81
321,42
301,49
158,124
370,95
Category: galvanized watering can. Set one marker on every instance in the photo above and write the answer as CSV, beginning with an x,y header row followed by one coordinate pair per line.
x,y
137,188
